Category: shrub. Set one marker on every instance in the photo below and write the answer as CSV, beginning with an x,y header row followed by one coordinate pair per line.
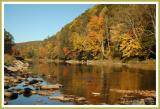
x,y
8,59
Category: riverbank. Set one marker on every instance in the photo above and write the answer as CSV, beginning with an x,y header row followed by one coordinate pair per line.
x,y
145,65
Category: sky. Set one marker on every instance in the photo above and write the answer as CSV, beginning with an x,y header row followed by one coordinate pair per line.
x,y
29,22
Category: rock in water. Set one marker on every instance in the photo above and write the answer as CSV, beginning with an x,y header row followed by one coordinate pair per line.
x,y
10,95
96,94
5,102
79,99
48,87
61,98
33,92
57,98
27,92
34,81
137,102
149,101
7,94
44,93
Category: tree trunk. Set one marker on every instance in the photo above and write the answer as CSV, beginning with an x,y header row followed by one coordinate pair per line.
x,y
102,49
108,38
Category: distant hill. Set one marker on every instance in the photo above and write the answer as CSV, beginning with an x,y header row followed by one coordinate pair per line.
x,y
34,43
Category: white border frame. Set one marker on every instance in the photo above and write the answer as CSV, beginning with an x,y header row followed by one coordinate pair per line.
x,y
87,106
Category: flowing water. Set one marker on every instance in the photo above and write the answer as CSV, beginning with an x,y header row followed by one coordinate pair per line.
x,y
84,81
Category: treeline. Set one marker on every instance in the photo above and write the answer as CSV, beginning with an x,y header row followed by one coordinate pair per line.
x,y
102,32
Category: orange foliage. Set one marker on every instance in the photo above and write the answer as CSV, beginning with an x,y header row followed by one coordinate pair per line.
x,y
42,52
14,51
23,51
65,51
95,32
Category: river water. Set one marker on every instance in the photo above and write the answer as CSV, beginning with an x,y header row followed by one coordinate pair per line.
x,y
85,81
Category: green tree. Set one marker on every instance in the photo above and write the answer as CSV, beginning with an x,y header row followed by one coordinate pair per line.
x,y
8,42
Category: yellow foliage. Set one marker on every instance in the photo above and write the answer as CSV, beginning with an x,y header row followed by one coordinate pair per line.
x,y
130,46
78,41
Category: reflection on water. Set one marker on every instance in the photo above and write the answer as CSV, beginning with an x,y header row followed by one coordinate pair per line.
x,y
82,80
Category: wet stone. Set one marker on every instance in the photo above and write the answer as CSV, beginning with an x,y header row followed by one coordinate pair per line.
x,y
34,92
34,81
149,101
27,92
11,95
50,87
79,99
61,98
44,93
96,94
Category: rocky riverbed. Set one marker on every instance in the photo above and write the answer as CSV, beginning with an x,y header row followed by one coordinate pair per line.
x,y
19,81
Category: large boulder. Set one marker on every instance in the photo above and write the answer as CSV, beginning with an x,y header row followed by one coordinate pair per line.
x,y
12,69
16,66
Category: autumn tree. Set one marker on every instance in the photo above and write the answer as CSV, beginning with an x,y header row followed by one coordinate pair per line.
x,y
79,45
95,30
130,46
42,52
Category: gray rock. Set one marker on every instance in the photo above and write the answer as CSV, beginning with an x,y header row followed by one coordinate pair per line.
x,y
138,102
5,102
149,101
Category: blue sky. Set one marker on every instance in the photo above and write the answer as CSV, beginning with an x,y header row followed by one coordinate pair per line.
x,y
29,22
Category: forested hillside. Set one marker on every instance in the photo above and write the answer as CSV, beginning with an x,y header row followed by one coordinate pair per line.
x,y
103,32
